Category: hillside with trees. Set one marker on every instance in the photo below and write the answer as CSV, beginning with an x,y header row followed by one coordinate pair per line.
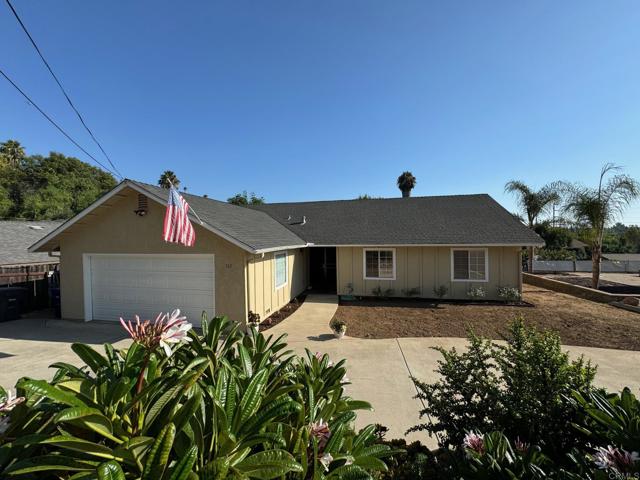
x,y
48,187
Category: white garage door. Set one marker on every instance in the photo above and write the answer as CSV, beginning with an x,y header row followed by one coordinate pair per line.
x,y
126,285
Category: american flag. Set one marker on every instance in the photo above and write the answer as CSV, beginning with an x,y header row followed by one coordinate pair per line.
x,y
177,227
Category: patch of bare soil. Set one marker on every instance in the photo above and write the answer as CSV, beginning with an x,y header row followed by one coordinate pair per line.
x,y
276,317
577,321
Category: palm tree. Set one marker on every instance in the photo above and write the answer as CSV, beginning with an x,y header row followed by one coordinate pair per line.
x,y
532,204
12,151
406,182
596,208
167,179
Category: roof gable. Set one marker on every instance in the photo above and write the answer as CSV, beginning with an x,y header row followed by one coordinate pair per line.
x,y
250,230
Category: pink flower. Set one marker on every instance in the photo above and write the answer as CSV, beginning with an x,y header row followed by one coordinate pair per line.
x,y
474,442
320,430
521,446
617,459
10,402
165,331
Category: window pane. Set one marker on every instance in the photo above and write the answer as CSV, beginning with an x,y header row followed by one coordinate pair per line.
x,y
386,264
461,264
281,269
371,264
477,265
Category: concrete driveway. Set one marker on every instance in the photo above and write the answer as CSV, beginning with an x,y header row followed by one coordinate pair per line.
x,y
378,369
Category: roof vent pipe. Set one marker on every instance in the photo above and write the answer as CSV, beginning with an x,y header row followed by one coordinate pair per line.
x,y
304,220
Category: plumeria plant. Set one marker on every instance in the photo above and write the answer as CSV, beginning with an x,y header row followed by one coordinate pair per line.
x,y
179,404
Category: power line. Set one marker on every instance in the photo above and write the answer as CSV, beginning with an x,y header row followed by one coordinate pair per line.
x,y
53,122
62,88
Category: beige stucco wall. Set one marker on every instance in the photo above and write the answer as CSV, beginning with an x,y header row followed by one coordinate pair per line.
x,y
264,298
116,229
426,268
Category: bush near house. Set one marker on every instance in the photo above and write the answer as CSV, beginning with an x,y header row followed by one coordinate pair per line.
x,y
180,405
522,411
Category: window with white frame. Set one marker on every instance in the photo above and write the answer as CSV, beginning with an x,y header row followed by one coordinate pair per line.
x,y
469,264
280,269
379,264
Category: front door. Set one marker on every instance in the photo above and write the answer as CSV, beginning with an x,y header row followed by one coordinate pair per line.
x,y
323,269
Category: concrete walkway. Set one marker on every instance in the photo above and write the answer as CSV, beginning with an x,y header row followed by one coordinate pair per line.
x,y
378,369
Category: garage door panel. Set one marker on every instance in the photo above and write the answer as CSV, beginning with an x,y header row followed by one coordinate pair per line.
x,y
157,280
124,286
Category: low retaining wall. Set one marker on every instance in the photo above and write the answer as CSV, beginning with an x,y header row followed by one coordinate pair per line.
x,y
570,289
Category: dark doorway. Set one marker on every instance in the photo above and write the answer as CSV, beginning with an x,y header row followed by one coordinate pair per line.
x,y
322,262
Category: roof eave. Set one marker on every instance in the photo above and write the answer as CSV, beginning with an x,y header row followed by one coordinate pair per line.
x,y
118,188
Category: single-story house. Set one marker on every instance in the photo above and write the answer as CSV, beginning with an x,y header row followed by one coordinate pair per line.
x,y
115,263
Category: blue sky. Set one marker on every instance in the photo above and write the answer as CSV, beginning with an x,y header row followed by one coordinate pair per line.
x,y
301,100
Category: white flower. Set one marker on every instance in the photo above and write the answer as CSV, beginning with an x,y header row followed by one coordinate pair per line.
x,y
177,333
326,460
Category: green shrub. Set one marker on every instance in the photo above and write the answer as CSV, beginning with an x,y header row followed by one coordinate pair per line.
x,y
440,292
521,389
224,405
537,380
492,456
465,397
411,292
509,294
476,293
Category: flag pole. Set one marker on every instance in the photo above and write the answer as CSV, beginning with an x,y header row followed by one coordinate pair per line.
x,y
190,208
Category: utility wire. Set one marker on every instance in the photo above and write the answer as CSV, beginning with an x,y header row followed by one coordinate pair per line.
x,y
53,122
62,88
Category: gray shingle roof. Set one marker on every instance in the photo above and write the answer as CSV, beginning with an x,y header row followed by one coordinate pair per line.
x,y
441,220
255,229
16,236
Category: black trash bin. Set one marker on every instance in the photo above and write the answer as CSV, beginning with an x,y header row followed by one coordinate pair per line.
x,y
13,301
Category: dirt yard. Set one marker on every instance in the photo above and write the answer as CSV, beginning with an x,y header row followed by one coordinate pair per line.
x,y
579,322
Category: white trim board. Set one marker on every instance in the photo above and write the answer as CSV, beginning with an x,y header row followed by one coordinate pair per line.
x,y
277,287
364,263
486,265
402,245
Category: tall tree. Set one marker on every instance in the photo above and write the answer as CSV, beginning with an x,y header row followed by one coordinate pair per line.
x,y
12,152
243,199
532,204
406,182
167,178
595,208
51,187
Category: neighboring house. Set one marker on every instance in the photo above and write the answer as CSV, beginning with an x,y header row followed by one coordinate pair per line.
x,y
17,264
115,263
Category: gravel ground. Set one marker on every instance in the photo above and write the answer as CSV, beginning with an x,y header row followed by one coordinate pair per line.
x,y
579,322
